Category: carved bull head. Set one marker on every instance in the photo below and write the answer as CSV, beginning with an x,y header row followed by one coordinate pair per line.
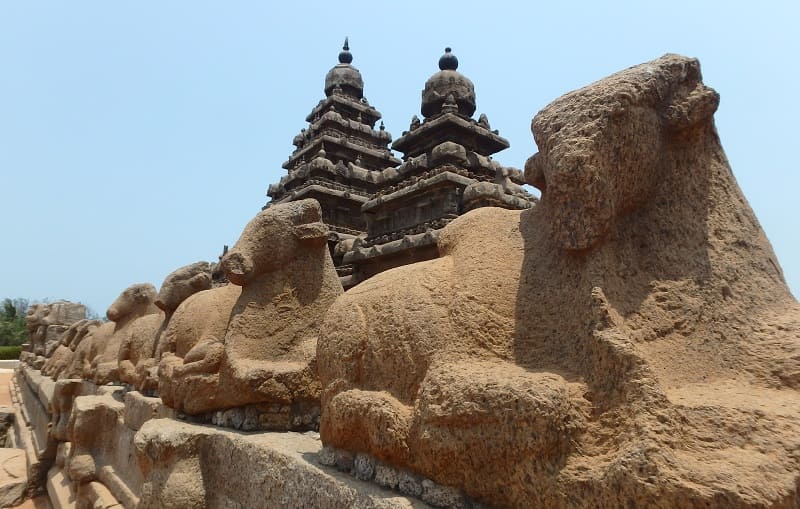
x,y
35,316
600,147
273,238
135,298
182,283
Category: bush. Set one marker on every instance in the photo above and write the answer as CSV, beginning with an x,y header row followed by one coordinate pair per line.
x,y
12,321
10,352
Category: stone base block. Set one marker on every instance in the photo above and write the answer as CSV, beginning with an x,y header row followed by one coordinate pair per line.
x,y
181,463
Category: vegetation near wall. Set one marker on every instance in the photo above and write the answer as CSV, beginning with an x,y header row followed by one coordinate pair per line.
x,y
10,352
12,323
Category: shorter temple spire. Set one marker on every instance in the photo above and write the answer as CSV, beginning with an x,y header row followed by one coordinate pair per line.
x,y
448,61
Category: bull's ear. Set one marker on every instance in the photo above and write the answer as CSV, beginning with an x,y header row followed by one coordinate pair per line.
x,y
534,175
144,294
698,106
311,232
140,297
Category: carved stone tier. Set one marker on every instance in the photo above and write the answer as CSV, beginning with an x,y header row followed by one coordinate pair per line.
x,y
346,126
380,211
346,105
341,158
447,170
450,127
415,206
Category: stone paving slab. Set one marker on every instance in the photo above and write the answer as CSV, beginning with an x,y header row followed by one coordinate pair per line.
x,y
13,476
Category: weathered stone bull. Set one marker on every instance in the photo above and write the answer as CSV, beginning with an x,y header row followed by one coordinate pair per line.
x,y
37,328
192,345
96,357
626,341
267,356
62,358
140,350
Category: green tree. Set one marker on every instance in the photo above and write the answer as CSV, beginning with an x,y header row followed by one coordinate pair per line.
x,y
12,322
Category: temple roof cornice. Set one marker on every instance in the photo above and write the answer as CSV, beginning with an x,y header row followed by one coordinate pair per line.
x,y
446,126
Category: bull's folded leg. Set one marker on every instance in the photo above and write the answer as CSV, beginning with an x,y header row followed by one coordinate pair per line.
x,y
477,417
364,421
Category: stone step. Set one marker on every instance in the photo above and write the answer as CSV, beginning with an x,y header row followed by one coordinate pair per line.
x,y
13,476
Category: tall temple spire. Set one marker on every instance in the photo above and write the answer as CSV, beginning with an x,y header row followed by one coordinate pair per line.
x,y
340,157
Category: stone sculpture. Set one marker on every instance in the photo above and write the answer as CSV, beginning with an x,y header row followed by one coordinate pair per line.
x,y
86,350
46,323
584,349
340,158
99,358
447,170
627,341
395,208
34,322
62,357
95,422
57,362
193,346
287,278
141,348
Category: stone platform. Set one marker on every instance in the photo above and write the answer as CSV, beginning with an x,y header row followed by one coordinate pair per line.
x,y
103,446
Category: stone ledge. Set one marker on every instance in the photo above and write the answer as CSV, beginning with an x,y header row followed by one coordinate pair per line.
x,y
284,466
367,468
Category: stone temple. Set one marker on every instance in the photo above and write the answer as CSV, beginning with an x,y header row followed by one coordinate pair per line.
x,y
420,333
382,212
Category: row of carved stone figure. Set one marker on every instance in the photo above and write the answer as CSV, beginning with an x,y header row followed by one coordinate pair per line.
x,y
204,349
602,348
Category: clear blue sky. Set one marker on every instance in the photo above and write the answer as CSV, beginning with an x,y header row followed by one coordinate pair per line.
x,y
136,137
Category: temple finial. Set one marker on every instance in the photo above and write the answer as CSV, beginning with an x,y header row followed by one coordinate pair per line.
x,y
448,61
345,57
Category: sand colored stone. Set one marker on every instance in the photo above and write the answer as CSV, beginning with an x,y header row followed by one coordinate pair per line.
x,y
57,365
46,323
141,347
34,503
134,315
137,347
13,477
262,348
288,282
183,467
628,341
193,347
93,344
182,283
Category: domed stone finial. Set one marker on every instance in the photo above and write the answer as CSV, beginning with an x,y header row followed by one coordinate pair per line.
x,y
446,82
448,61
345,57
345,76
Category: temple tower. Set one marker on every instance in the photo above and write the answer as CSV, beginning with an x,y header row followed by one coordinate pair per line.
x,y
339,157
447,170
